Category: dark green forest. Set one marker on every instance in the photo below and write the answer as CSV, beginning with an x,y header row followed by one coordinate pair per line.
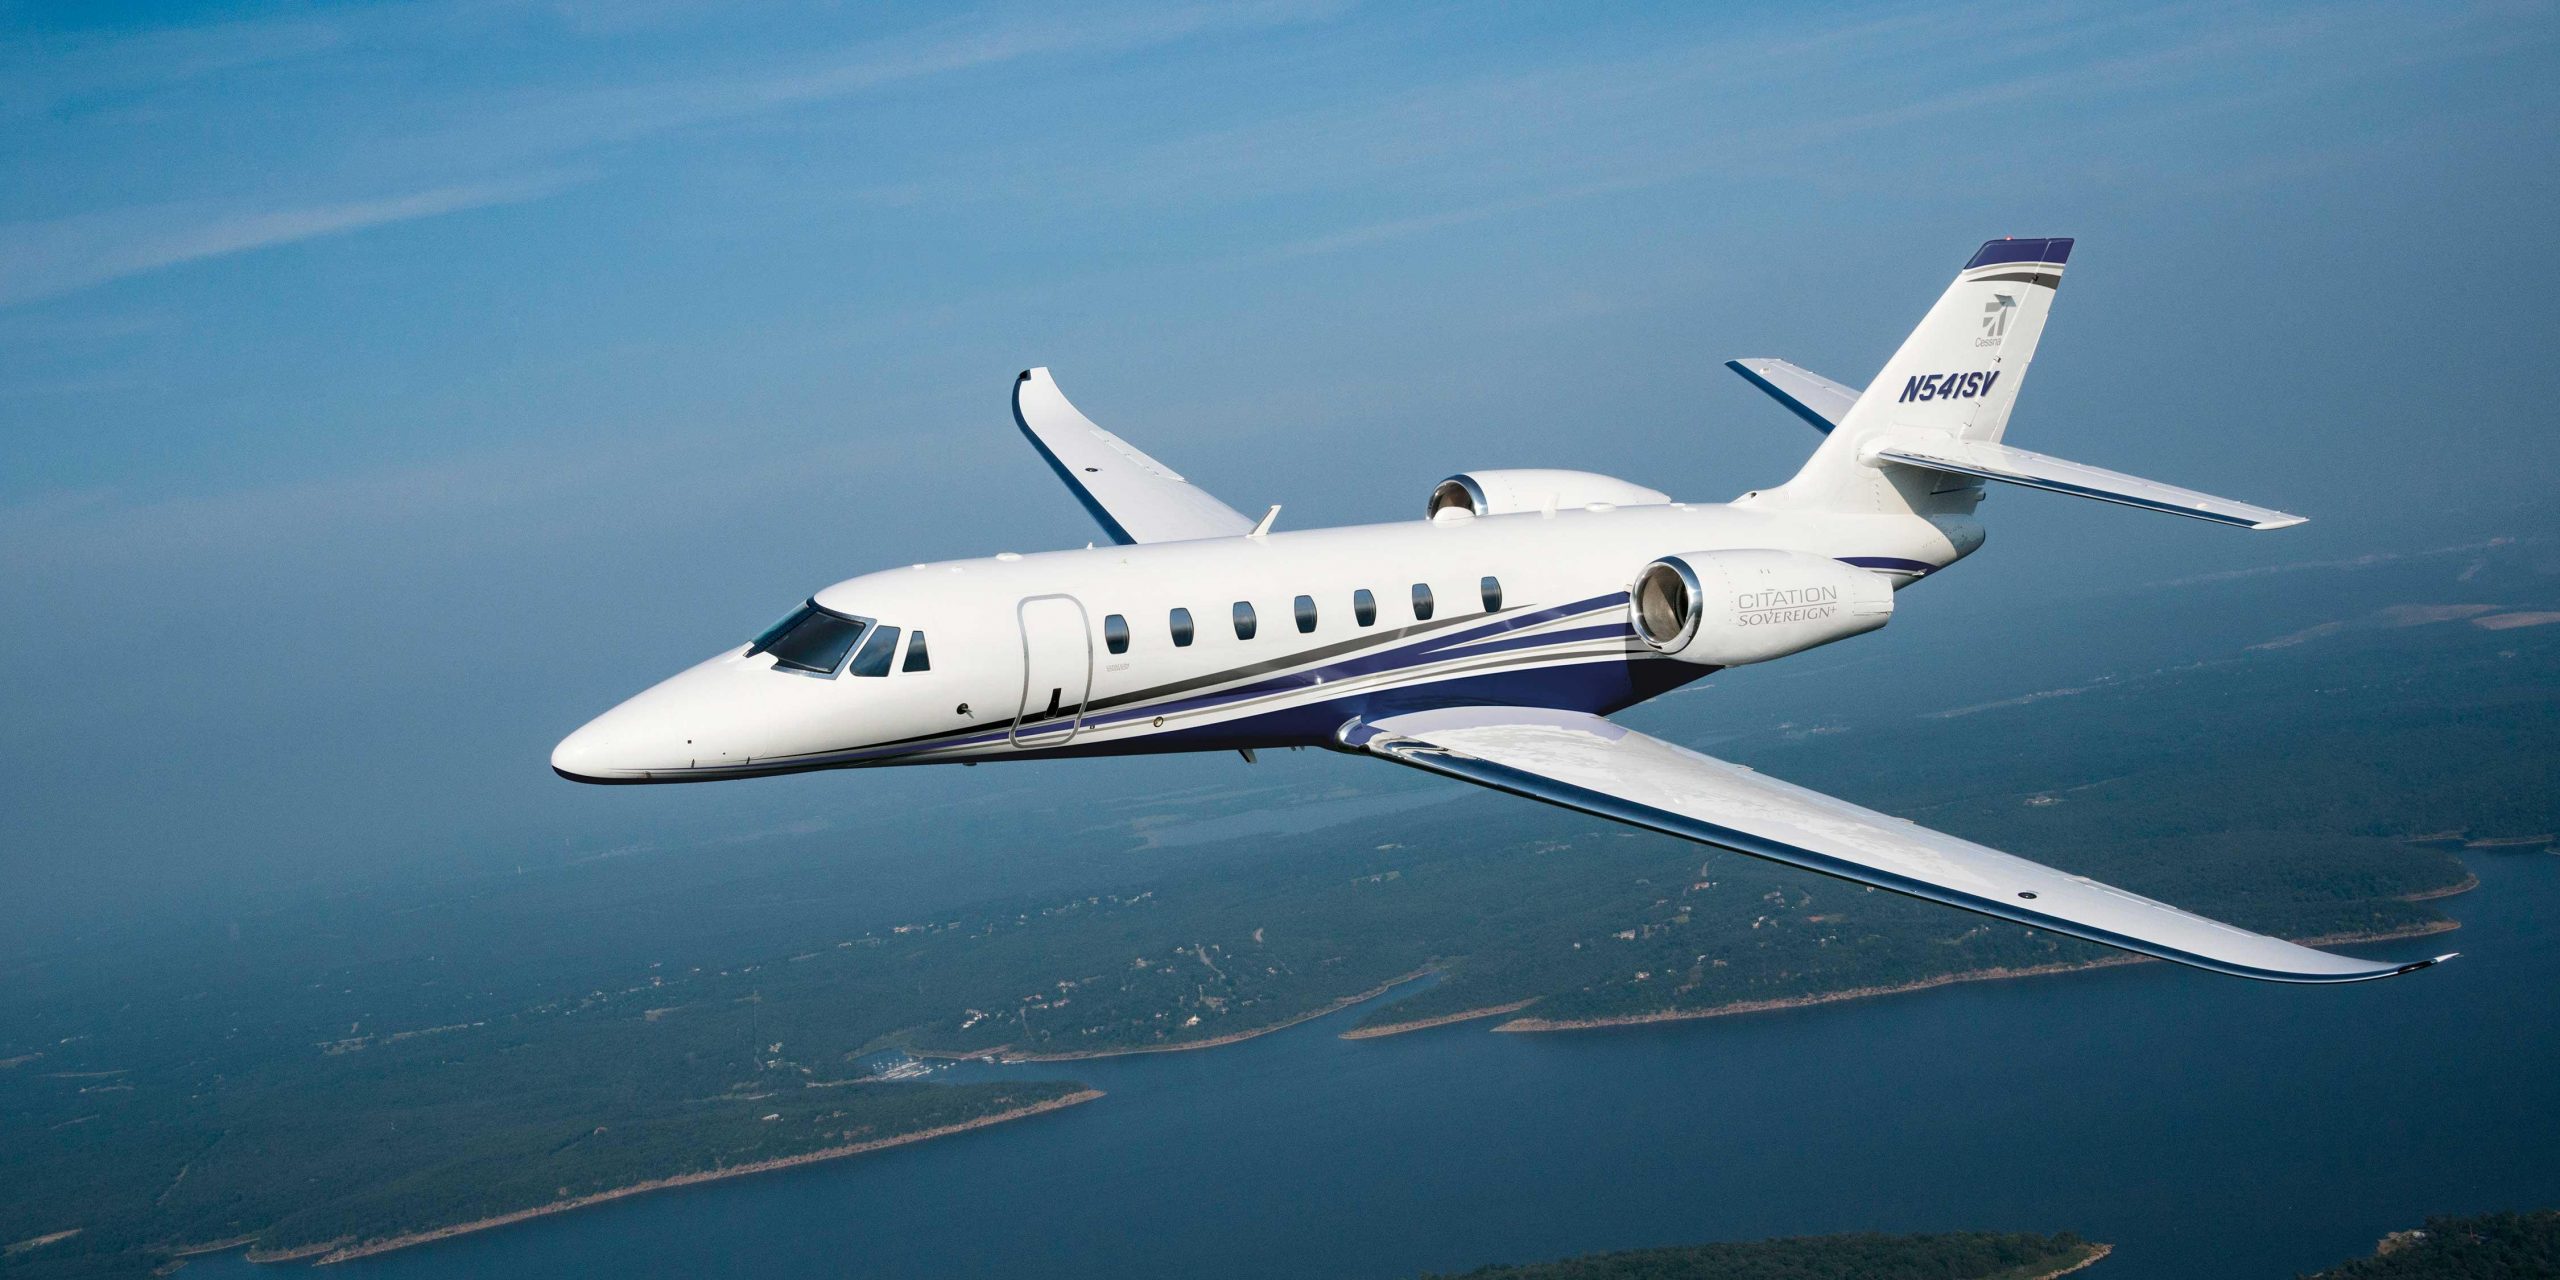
x,y
1964,1255
2490,1246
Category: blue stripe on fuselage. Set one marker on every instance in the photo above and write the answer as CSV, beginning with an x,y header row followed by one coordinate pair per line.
x,y
1596,686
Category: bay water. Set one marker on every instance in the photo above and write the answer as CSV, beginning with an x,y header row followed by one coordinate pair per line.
x,y
2206,1126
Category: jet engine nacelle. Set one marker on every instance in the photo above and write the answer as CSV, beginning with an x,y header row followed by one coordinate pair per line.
x,y
1502,493
1727,608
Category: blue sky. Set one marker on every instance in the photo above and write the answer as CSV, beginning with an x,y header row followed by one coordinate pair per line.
x,y
385,389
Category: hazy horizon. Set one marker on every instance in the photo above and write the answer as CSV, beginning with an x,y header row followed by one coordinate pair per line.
x,y
425,379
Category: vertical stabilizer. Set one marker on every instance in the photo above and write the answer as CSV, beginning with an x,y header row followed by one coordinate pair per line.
x,y
1958,373
1955,378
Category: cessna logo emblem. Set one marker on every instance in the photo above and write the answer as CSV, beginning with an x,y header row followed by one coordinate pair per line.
x,y
1995,319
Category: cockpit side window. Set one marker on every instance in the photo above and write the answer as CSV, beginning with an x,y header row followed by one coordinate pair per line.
x,y
917,658
876,652
811,640
765,638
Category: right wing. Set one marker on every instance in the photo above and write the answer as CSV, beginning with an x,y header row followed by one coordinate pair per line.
x,y
1586,762
1137,498
1806,394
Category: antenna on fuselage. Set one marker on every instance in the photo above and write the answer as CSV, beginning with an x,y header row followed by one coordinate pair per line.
x,y
1264,525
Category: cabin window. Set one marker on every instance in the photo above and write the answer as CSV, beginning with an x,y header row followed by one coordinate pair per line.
x,y
1422,602
1115,633
1180,620
810,639
917,658
1492,588
1245,624
1306,607
1364,607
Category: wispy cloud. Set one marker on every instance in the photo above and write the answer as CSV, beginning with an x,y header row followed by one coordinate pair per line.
x,y
549,121
1670,116
40,76
1443,219
46,259
543,127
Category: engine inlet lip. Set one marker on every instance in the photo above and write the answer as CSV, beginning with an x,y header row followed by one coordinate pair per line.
x,y
1476,504
1693,610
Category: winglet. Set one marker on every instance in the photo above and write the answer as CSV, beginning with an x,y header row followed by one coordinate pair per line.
x,y
1132,496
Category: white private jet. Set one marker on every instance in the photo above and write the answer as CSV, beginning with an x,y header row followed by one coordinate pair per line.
x,y
1487,642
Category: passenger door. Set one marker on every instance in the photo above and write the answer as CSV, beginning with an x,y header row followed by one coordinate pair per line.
x,y
1057,671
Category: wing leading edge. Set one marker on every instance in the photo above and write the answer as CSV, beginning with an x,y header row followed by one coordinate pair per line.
x,y
1135,497
1588,763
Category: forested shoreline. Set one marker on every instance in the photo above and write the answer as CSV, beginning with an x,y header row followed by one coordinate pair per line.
x,y
377,1064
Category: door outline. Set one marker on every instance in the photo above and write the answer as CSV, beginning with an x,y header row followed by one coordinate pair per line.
x,y
1022,711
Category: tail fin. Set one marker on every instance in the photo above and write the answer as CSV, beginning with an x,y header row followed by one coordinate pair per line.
x,y
1923,436
1955,378
1958,373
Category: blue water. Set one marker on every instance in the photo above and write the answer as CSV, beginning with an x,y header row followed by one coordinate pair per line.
x,y
2208,1127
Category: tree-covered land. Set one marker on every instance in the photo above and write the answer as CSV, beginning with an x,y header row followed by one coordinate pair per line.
x,y
2489,1246
389,1058
1963,1255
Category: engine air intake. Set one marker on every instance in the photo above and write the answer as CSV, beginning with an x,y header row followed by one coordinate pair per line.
x,y
1666,604
1729,608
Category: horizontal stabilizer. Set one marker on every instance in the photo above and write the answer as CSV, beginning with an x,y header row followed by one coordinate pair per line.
x,y
2038,471
1588,763
1806,394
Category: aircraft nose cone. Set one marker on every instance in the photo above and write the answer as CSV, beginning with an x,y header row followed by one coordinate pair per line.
x,y
586,756
613,747
716,719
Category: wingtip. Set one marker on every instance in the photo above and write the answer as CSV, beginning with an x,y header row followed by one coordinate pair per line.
x,y
2281,520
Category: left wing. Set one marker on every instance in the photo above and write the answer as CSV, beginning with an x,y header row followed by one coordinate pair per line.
x,y
1137,498
1588,763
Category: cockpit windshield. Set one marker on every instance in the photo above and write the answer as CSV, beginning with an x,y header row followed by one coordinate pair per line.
x,y
810,639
